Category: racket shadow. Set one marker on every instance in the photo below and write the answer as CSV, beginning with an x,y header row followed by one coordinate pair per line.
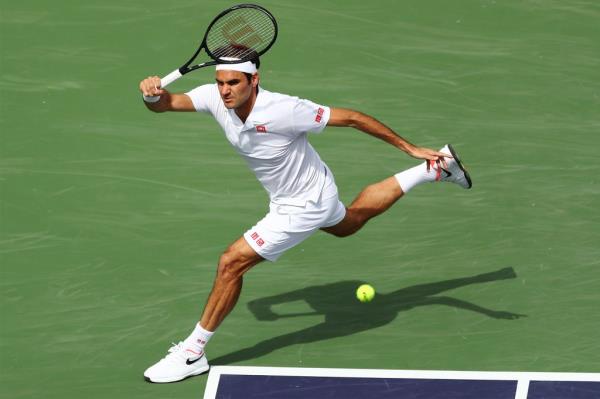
x,y
344,315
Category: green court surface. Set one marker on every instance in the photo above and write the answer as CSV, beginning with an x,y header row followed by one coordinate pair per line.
x,y
113,218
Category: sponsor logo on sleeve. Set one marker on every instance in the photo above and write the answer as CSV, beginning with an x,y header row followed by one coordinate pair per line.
x,y
320,113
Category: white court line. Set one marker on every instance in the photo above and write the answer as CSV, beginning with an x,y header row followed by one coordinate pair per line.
x,y
210,392
522,389
522,378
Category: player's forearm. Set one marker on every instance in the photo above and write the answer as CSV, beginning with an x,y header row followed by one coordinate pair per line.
x,y
373,127
161,105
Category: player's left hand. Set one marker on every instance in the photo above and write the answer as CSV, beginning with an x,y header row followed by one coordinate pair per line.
x,y
429,155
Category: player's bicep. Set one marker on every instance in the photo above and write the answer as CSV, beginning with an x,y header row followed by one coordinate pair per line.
x,y
342,117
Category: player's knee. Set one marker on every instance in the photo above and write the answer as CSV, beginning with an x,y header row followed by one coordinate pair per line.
x,y
346,229
229,267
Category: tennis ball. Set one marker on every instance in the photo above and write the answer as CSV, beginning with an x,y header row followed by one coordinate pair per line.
x,y
365,293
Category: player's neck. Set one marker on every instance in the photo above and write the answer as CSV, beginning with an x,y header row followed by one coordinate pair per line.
x,y
243,111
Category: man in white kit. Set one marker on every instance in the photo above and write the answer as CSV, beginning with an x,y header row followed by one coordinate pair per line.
x,y
269,130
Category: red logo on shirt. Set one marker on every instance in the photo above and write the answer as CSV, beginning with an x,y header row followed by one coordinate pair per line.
x,y
320,113
261,128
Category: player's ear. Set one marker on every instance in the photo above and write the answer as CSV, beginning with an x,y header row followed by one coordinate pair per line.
x,y
255,79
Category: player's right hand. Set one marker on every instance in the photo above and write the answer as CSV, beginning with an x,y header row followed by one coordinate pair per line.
x,y
151,86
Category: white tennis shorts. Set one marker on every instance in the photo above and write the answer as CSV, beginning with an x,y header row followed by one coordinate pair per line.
x,y
286,226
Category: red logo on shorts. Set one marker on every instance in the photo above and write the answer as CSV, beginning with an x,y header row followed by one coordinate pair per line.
x,y
320,113
259,241
261,128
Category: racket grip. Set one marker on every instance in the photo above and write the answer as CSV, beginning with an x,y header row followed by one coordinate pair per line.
x,y
170,78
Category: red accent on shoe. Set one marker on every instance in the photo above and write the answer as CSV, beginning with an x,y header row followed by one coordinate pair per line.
x,y
438,170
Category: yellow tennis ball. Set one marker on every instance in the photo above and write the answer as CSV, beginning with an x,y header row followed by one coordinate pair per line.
x,y
365,293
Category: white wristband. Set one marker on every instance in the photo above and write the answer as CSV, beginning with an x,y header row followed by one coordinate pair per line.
x,y
151,99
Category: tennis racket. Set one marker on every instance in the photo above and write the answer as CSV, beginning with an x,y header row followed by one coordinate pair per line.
x,y
241,32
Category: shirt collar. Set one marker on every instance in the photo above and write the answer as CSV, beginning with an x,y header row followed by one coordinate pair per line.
x,y
256,114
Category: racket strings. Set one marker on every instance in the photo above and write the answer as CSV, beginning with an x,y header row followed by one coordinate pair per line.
x,y
244,24
241,33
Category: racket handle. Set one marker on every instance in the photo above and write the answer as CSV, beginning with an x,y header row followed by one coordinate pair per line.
x,y
170,78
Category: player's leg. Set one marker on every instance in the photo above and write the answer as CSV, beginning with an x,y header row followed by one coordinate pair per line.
x,y
187,358
234,262
379,197
372,201
281,229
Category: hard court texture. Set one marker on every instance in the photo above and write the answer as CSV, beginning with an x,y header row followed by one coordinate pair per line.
x,y
112,219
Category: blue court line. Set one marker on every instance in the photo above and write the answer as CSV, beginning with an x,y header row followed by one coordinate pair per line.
x,y
233,382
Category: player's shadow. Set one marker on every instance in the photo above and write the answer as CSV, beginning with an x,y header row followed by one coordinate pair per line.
x,y
344,315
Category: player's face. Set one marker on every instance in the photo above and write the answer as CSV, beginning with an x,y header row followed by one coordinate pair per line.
x,y
234,88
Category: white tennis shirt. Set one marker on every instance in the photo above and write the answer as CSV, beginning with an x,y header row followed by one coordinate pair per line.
x,y
273,141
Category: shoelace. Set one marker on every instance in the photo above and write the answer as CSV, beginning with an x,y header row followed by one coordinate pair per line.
x,y
438,169
174,350
176,347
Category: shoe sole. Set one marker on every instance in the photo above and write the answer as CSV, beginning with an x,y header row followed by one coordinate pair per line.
x,y
460,165
194,374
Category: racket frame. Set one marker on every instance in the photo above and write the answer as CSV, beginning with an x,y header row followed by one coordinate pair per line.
x,y
185,68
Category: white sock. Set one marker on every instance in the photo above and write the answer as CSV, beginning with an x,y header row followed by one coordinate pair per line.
x,y
198,338
414,176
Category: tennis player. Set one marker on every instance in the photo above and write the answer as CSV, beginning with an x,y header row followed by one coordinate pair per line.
x,y
270,131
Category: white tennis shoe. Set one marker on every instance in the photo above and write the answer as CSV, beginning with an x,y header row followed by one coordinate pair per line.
x,y
455,173
180,363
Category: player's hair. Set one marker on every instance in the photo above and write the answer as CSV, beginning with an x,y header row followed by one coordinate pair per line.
x,y
239,51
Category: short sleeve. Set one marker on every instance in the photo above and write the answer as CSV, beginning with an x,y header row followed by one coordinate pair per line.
x,y
205,98
310,117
